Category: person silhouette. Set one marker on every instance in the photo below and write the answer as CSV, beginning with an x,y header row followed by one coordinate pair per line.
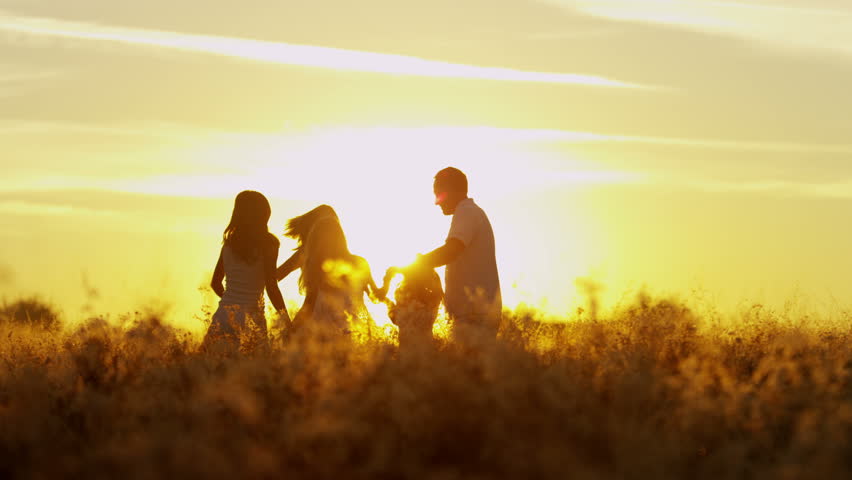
x,y
333,279
472,294
247,264
414,308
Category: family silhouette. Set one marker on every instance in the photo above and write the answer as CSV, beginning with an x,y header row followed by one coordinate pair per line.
x,y
334,281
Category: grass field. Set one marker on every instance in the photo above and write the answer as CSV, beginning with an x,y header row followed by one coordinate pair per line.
x,y
649,390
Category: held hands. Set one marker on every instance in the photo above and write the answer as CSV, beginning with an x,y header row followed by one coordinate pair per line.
x,y
381,293
394,271
406,270
284,317
389,274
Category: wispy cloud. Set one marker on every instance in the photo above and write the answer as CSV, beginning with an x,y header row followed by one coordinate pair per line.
x,y
11,76
15,79
745,146
23,127
455,136
816,26
162,130
291,54
575,34
15,207
266,158
515,135
835,190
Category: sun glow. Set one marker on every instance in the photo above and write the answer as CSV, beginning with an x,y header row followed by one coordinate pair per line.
x,y
380,182
379,179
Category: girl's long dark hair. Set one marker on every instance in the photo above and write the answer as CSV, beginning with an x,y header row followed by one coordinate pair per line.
x,y
248,229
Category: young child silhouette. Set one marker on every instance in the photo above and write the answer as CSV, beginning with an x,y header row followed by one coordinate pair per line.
x,y
415,305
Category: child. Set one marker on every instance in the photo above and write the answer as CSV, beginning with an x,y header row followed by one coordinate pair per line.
x,y
334,281
247,262
300,228
416,304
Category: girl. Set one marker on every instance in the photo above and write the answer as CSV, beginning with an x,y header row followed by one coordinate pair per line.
x,y
333,280
247,260
299,228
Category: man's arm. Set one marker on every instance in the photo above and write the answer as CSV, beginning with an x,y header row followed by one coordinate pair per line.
x,y
462,231
444,254
439,257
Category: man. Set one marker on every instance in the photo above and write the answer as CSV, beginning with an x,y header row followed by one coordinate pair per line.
x,y
472,297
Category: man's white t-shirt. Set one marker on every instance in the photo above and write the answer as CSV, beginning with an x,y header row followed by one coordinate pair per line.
x,y
472,284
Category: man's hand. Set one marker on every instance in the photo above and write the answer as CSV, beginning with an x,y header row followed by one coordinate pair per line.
x,y
406,270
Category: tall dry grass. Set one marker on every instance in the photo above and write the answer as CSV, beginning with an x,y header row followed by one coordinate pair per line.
x,y
652,390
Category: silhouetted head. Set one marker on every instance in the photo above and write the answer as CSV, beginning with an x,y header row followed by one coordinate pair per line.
x,y
327,239
248,228
298,228
326,244
420,283
450,189
416,303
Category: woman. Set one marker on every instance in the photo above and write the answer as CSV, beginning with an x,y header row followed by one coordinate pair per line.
x,y
247,261
333,280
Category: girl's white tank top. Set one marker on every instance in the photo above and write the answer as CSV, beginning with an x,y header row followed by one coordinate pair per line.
x,y
244,281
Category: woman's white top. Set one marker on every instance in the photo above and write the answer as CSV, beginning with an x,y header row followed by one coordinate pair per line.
x,y
244,281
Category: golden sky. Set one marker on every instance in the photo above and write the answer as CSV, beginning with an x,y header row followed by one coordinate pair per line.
x,y
683,145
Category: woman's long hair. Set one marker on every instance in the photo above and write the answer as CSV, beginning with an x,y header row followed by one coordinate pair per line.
x,y
324,246
299,228
248,229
